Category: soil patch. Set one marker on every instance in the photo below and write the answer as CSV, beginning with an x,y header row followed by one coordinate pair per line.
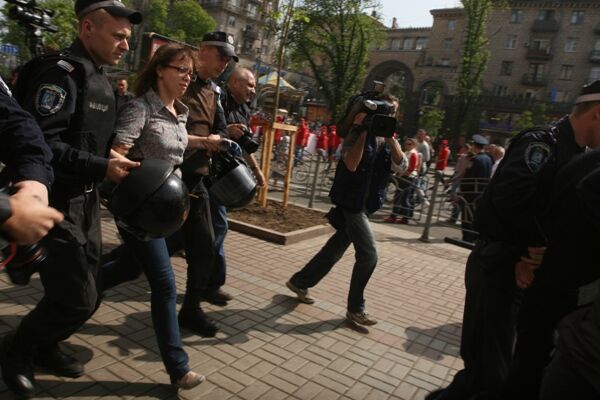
x,y
277,218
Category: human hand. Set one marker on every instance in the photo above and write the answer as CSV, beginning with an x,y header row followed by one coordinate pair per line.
x,y
359,118
524,274
31,219
236,131
118,168
260,178
35,189
535,256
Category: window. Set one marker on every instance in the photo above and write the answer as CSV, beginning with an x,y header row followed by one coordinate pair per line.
x,y
448,43
577,17
545,15
396,44
511,42
421,43
408,44
500,90
571,45
506,68
566,72
540,44
530,94
536,71
594,74
231,21
516,16
444,62
597,45
252,10
452,25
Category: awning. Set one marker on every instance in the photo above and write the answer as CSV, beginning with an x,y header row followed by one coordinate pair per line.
x,y
271,79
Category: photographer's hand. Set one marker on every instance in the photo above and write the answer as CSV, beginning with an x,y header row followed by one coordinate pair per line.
x,y
31,219
236,131
396,150
35,189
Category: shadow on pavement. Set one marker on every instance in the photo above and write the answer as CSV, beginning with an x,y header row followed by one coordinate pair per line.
x,y
434,343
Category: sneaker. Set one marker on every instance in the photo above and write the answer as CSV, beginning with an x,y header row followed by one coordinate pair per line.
x,y
189,381
197,321
301,293
17,369
361,318
426,203
217,297
391,219
54,361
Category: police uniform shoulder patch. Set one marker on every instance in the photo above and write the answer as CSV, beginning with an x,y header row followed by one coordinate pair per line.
x,y
67,66
536,155
49,99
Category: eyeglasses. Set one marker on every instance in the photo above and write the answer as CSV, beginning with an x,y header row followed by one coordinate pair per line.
x,y
183,71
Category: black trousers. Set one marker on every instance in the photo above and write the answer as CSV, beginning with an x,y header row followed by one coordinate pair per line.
x,y
69,275
488,321
562,381
197,238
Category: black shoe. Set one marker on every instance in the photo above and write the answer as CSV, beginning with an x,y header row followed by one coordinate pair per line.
x,y
196,320
434,395
54,361
216,297
17,369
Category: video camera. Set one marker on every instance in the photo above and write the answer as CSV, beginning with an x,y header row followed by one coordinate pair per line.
x,y
378,120
246,143
35,19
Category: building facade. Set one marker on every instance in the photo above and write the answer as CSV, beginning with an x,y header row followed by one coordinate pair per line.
x,y
540,51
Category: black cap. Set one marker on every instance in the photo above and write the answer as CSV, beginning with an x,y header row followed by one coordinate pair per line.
x,y
222,41
590,92
113,7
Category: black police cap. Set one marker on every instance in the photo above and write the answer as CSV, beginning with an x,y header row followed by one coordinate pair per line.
x,y
222,41
590,92
113,7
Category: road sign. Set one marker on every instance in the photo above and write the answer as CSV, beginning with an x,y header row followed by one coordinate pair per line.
x,y
9,49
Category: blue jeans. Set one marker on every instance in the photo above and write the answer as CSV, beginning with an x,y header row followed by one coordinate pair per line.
x,y
152,258
218,215
356,231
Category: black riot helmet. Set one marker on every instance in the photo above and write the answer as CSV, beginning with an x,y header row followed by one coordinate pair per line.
x,y
151,201
231,182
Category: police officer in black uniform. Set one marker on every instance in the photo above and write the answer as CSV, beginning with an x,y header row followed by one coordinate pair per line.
x,y
511,245
25,216
73,102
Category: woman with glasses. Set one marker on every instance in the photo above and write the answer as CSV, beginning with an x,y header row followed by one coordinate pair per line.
x,y
152,126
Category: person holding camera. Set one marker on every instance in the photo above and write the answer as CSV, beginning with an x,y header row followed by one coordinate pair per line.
x,y
24,216
73,102
358,190
204,230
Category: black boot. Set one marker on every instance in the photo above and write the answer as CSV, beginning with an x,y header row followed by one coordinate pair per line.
x,y
197,321
54,361
17,368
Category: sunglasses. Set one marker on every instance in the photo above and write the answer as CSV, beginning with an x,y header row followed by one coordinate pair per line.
x,y
183,71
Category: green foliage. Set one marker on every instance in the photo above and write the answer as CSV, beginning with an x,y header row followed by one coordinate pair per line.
x,y
333,41
431,120
184,20
537,116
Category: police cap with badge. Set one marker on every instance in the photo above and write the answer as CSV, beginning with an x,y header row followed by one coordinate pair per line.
x,y
223,42
589,93
480,140
113,7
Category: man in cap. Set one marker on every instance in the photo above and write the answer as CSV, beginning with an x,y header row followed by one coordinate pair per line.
x,y
512,243
205,229
73,103
473,183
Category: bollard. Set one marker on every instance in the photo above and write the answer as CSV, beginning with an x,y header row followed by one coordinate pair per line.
x,y
425,235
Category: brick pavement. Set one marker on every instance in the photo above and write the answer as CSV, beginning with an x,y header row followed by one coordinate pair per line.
x,y
270,346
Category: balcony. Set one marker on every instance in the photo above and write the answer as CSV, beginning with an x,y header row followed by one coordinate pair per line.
x,y
250,34
539,54
549,25
534,80
595,56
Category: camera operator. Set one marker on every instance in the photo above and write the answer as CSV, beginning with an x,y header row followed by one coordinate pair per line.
x,y
358,190
25,216
235,99
73,102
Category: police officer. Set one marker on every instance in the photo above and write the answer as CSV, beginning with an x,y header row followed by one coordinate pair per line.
x,y
512,243
204,230
25,216
73,103
473,183
235,98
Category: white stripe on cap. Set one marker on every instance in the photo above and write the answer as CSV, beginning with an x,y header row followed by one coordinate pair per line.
x,y
99,5
218,43
586,98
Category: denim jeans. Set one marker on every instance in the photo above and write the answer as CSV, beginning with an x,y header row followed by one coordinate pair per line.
x,y
152,258
356,231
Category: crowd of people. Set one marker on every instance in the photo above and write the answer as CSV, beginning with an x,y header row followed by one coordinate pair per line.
x,y
67,131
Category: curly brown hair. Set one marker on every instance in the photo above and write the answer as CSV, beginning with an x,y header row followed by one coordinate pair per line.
x,y
164,56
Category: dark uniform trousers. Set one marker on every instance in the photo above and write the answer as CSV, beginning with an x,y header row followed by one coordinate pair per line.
x,y
70,273
488,320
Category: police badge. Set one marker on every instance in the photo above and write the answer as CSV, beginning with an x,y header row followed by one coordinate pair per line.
x,y
49,99
536,156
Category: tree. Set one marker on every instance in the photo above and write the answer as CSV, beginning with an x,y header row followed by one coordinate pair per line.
x,y
431,120
537,116
333,41
474,60
184,20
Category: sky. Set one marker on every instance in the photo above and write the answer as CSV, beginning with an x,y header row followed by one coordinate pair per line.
x,y
413,13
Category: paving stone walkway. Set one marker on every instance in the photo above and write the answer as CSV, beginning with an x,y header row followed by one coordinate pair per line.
x,y
270,346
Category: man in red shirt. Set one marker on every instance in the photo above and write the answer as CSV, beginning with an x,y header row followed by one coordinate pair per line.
x,y
443,156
